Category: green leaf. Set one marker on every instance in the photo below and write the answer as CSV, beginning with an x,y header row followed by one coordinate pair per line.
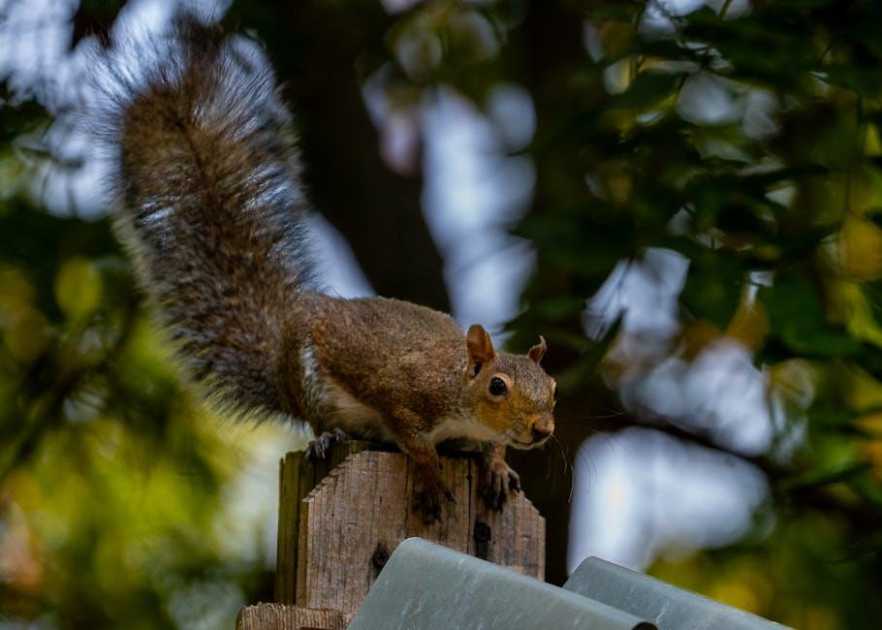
x,y
797,319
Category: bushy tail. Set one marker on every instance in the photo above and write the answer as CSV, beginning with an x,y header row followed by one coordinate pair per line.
x,y
207,175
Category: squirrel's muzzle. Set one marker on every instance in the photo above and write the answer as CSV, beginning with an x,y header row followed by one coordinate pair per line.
x,y
542,429
540,434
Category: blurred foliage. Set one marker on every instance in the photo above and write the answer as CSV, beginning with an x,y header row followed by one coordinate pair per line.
x,y
784,180
113,477
747,140
114,480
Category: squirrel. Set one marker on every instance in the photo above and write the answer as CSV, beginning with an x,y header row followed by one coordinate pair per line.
x,y
206,177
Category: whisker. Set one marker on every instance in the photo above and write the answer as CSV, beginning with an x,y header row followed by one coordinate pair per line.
x,y
612,414
599,416
566,466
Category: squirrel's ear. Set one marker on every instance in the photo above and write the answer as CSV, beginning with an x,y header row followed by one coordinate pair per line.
x,y
480,347
538,351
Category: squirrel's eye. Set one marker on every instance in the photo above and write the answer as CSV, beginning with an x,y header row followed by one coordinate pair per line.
x,y
497,386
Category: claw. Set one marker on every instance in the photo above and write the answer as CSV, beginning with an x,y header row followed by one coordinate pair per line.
x,y
428,506
319,447
514,482
427,501
499,481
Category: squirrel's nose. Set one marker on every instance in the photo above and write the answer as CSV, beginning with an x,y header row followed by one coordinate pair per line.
x,y
540,432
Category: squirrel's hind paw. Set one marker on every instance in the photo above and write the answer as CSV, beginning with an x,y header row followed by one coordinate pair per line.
x,y
427,501
319,447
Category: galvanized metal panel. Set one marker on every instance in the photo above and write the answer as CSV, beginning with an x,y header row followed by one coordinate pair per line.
x,y
428,587
671,608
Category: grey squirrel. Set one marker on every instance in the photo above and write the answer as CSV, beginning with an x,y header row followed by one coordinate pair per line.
x,y
207,180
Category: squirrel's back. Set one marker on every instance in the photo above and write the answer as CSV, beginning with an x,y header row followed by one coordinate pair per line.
x,y
207,176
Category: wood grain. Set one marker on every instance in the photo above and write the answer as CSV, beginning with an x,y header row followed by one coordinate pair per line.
x,y
284,617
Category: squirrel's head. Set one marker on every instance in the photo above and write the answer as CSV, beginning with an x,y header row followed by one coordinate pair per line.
x,y
510,394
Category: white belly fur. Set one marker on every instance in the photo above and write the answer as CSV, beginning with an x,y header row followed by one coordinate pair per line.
x,y
462,427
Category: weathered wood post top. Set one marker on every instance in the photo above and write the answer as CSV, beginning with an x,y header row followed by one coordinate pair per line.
x,y
341,518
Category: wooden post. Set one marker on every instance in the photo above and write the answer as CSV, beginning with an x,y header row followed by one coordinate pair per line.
x,y
340,519
297,477
279,617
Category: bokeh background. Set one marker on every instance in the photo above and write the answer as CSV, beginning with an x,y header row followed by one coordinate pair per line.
x,y
683,197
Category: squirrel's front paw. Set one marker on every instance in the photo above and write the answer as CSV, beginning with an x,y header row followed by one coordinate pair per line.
x,y
427,500
319,447
497,482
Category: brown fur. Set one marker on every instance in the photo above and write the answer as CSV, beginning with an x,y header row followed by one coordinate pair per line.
x,y
209,183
